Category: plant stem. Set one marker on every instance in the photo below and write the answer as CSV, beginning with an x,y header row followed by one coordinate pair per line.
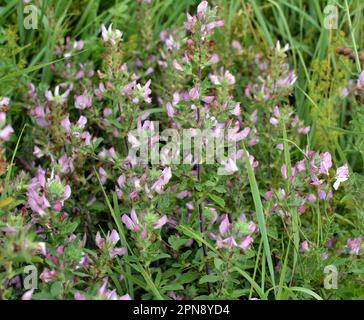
x,y
199,169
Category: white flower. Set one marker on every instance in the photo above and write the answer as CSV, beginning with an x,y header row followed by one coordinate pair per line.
x,y
56,97
342,174
281,50
110,35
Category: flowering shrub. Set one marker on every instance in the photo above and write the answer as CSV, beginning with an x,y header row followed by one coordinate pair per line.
x,y
104,198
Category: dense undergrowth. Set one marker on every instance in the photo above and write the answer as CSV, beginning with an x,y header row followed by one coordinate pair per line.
x,y
280,219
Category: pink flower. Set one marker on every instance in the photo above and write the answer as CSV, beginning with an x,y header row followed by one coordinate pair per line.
x,y
183,194
241,135
284,171
344,92
107,112
82,122
87,137
163,180
65,163
37,152
147,91
28,295
252,227
67,192
4,101
321,194
236,110
300,166
237,46
304,130
224,225
66,124
201,9
215,24
170,110
121,181
133,140
48,276
113,238
176,65
273,121
6,133
311,198
246,243
113,252
360,83
342,174
223,77
214,58
79,296
78,45
252,161
229,167
189,24
326,163
161,222
268,195
304,246
132,222
354,245
109,243
194,94
106,294
229,242
83,101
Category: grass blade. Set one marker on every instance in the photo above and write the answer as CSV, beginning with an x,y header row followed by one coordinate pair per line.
x,y
260,215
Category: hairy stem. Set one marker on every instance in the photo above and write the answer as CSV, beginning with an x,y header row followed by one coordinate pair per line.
x,y
199,169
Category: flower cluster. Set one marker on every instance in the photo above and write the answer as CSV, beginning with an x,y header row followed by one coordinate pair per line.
x,y
44,193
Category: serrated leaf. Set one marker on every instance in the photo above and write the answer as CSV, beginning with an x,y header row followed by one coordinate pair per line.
x,y
218,263
70,227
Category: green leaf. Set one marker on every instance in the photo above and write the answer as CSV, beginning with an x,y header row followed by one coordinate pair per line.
x,y
176,242
56,289
172,287
218,200
188,277
306,291
218,263
69,227
260,214
209,278
220,189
